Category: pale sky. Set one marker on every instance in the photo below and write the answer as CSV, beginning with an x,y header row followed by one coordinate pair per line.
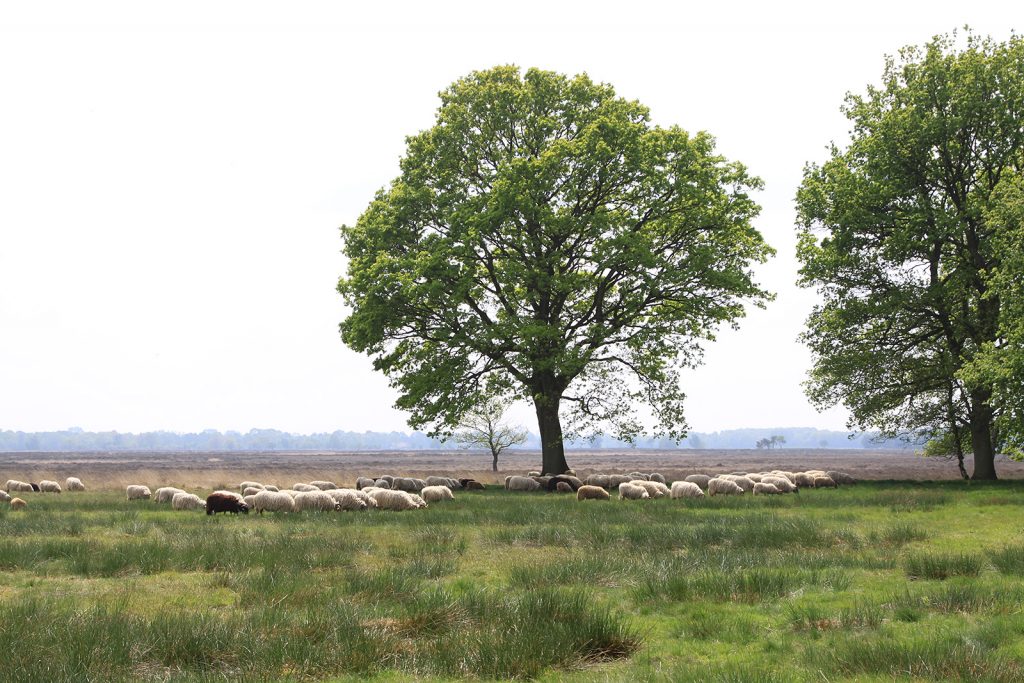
x,y
172,177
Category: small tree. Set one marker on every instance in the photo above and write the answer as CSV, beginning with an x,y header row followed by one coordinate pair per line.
x,y
778,440
764,443
485,427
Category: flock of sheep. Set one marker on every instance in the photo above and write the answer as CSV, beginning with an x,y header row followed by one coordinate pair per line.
x,y
408,493
638,485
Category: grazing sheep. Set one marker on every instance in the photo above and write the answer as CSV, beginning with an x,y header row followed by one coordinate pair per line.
x,y
74,484
304,487
762,488
250,485
35,487
237,496
291,493
248,500
317,501
515,483
600,480
533,473
273,501
165,494
5,497
743,481
348,499
563,487
824,483
15,485
572,482
755,477
543,480
382,483
685,489
225,501
18,504
408,484
250,491
473,485
724,486
439,481
47,486
271,487
416,498
363,482
324,485
781,483
588,492
614,480
804,480
388,478
388,499
630,491
639,476
653,488
138,492
365,497
840,477
434,494
187,501
660,478
700,480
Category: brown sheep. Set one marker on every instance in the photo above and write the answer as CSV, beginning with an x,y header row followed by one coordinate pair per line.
x,y
563,487
18,504
824,483
591,493
222,502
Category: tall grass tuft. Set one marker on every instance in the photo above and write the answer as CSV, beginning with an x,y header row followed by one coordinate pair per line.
x,y
942,566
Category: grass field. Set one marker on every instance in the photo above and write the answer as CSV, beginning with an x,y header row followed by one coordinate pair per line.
x,y
882,580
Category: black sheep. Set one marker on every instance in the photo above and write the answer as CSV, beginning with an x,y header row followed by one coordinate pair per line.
x,y
221,502
35,487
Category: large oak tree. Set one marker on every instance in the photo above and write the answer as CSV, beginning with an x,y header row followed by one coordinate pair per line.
x,y
896,235
544,241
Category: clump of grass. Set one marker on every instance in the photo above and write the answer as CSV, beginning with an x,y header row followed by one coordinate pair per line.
x,y
1009,560
897,534
956,598
751,585
942,566
588,569
810,616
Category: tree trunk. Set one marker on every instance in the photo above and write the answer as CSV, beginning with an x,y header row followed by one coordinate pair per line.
x,y
494,464
550,426
981,438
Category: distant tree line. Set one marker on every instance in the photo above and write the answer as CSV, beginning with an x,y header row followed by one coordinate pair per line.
x,y
76,439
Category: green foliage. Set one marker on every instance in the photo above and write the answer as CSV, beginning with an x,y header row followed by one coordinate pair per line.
x,y
545,241
942,566
897,236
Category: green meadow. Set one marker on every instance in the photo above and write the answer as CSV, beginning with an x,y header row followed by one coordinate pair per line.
x,y
873,582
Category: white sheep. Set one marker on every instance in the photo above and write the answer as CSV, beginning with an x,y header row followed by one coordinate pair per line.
x,y
273,501
15,485
783,484
5,497
700,480
364,482
590,492
300,487
660,478
653,488
47,486
248,500
363,495
74,484
743,481
388,499
723,486
804,480
840,477
685,489
408,484
516,483
630,491
824,483
761,488
18,504
614,480
600,480
138,492
324,485
165,494
271,487
435,494
318,501
533,473
382,483
187,501
639,476
755,476
416,498
249,485
348,499
250,491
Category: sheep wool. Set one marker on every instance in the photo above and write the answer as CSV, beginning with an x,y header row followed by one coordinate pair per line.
x,y
317,501
700,480
762,488
138,492
5,497
563,487
363,482
723,486
781,483
416,498
660,478
685,489
589,492
600,480
347,499
515,483
74,484
47,486
743,481
435,494
653,488
389,499
630,491
187,501
270,487
15,485
18,504
382,483
304,487
824,483
639,476
250,485
841,478
273,501
614,480
804,480
324,485
165,494
250,491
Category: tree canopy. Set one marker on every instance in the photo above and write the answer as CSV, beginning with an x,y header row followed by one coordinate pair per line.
x,y
897,235
545,242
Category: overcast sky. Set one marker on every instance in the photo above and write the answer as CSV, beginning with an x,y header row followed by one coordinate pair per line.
x,y
172,178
